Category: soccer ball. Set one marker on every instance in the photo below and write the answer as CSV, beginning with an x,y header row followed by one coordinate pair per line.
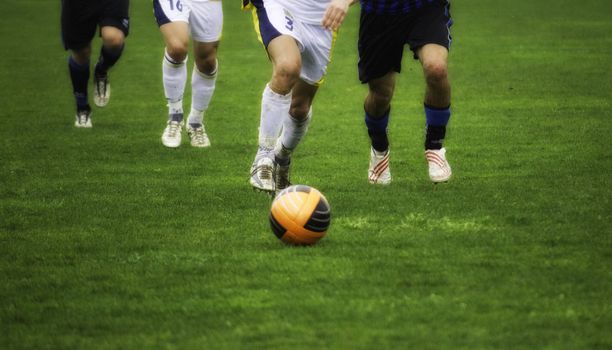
x,y
300,215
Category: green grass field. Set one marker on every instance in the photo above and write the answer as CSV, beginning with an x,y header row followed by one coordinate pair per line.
x,y
110,240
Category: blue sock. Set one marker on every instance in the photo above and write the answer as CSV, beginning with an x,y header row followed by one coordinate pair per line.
x,y
437,119
377,130
79,74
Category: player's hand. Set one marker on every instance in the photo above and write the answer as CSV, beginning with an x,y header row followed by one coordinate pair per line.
x,y
335,13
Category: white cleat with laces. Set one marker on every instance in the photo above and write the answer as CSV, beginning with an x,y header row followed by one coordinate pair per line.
x,y
379,172
172,134
262,172
83,119
102,91
439,169
198,136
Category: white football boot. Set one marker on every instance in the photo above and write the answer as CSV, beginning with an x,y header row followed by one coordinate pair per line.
x,y
102,91
83,119
172,134
439,169
262,171
379,172
198,136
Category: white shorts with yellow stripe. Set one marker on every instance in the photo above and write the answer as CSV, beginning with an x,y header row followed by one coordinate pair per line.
x,y
315,42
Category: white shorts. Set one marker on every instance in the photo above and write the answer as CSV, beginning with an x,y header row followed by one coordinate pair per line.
x,y
205,18
314,41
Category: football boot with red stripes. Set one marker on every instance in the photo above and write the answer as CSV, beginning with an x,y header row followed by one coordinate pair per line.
x,y
439,169
379,172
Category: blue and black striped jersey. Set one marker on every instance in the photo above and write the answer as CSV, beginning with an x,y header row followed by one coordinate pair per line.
x,y
394,6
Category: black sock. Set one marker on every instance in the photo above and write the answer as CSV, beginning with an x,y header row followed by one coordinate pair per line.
x,y
434,136
79,74
108,58
377,130
435,131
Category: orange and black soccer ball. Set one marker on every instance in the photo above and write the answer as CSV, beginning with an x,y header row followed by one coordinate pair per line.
x,y
300,215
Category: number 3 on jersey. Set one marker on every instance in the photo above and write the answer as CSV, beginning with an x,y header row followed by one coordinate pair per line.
x,y
289,24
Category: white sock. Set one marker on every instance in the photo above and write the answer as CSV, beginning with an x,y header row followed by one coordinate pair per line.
x,y
202,89
174,78
293,132
274,109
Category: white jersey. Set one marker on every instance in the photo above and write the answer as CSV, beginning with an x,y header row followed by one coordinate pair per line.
x,y
307,11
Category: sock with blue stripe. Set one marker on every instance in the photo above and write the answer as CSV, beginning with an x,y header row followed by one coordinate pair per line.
x,y
437,119
174,76
377,130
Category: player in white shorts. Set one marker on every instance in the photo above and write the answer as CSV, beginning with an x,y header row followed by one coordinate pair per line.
x,y
298,36
177,20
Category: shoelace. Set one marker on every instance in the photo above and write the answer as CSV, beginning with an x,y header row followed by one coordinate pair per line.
x,y
101,87
198,135
173,128
263,172
82,118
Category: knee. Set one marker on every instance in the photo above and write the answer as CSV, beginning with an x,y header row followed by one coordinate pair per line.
x,y
177,50
379,101
81,56
435,72
207,65
112,38
287,73
299,111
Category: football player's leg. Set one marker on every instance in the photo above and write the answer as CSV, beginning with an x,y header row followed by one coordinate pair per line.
x,y
203,79
295,127
377,108
434,59
381,46
275,104
276,99
174,69
206,22
78,29
174,75
114,28
112,48
78,65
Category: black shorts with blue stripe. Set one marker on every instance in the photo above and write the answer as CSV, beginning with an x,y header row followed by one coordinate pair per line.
x,y
387,26
80,18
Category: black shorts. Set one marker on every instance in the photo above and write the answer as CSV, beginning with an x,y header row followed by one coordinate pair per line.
x,y
80,18
382,37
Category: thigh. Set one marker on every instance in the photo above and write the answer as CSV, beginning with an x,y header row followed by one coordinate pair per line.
x,y
206,21
431,25
381,44
167,11
79,23
116,14
318,45
383,86
283,50
175,32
